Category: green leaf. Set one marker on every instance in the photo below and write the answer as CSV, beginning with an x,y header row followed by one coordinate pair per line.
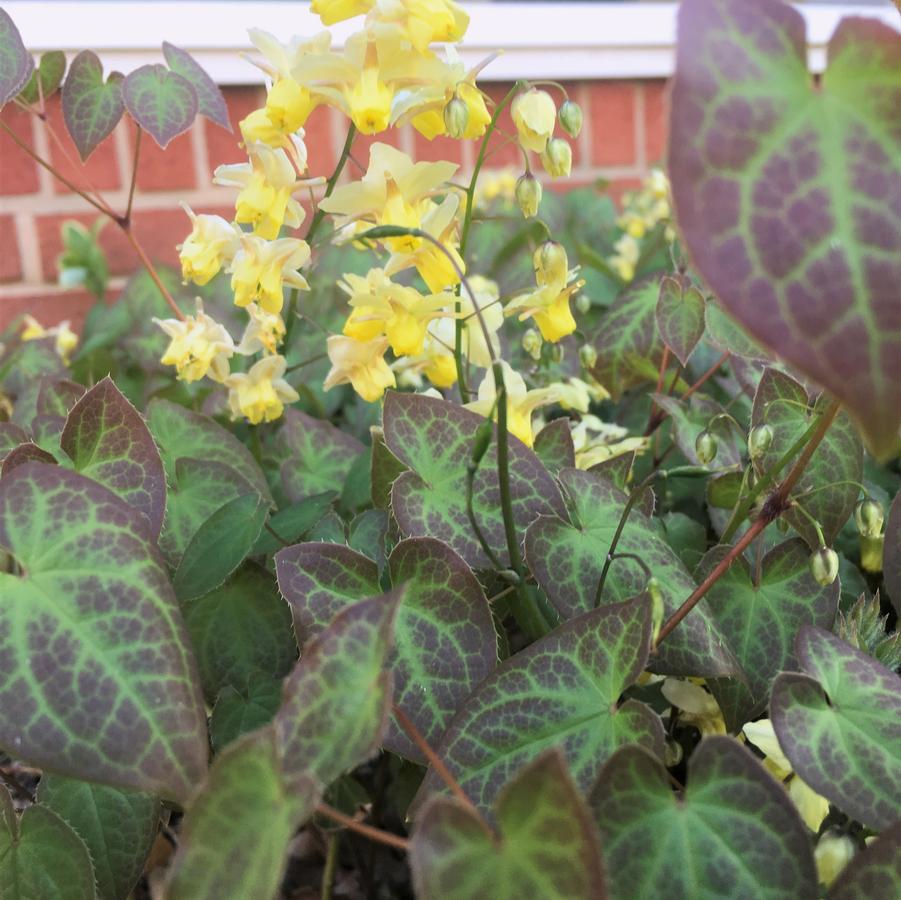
x,y
838,458
83,260
210,102
292,523
91,108
97,680
369,533
163,103
445,642
40,855
107,440
874,873
567,561
561,691
727,335
181,432
118,828
239,629
384,469
434,439
546,844
760,616
680,317
784,192
240,710
628,341
57,396
50,72
219,546
732,832
16,64
691,419
554,446
838,726
338,697
234,840
891,560
10,437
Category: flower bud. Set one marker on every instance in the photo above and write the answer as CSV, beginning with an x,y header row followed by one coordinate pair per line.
x,y
583,303
570,116
550,262
588,356
658,612
557,353
833,852
824,566
759,441
528,194
872,550
672,753
531,343
705,447
456,117
557,158
533,113
868,516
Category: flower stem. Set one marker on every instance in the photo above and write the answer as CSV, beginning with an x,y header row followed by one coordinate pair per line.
x,y
374,834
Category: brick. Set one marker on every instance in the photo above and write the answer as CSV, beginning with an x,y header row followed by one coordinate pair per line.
x,y
439,149
502,152
18,172
49,307
322,154
163,170
656,120
222,146
100,172
10,262
611,118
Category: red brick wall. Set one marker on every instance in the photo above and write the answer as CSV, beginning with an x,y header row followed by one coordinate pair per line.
x,y
623,135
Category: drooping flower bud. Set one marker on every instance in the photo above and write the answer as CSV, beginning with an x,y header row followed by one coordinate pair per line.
x,y
557,353
550,263
531,343
833,852
868,516
872,550
824,566
583,303
570,116
588,356
658,611
705,447
759,441
528,194
557,158
456,117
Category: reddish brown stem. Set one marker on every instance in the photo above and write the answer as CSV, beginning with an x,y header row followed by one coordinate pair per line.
x,y
374,834
707,375
148,265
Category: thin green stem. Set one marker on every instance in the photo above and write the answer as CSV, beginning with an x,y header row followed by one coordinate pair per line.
x,y
333,180
470,514
813,521
332,841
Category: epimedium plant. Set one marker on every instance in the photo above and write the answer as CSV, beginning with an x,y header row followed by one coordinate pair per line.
x,y
642,639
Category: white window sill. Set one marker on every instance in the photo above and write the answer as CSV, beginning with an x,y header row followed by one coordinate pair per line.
x,y
540,40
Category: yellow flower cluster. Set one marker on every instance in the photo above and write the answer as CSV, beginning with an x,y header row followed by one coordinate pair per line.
x,y
643,210
64,339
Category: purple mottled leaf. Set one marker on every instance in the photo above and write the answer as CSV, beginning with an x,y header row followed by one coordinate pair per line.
x,y
49,73
760,617
97,678
91,107
384,468
561,691
874,873
210,102
163,103
732,832
840,726
434,439
546,844
57,396
828,487
107,440
554,446
16,64
680,317
787,196
567,559
891,554
24,453
11,435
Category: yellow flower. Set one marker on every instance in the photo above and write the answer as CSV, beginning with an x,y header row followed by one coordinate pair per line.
x,y
419,21
696,706
65,342
475,349
211,245
595,441
441,370
626,257
265,331
521,403
260,394
289,104
332,11
361,364
261,269
198,346
534,115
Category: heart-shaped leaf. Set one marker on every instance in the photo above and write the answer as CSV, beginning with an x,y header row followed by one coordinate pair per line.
x,y
874,873
292,523
567,561
434,438
546,844
41,856
554,446
238,711
760,617
16,64
785,195
117,826
97,679
210,102
57,396
11,436
733,832
91,107
445,642
49,73
562,691
838,726
163,103
827,489
107,440
680,317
